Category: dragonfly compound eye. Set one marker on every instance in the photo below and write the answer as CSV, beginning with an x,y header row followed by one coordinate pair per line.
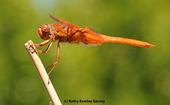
x,y
45,28
44,31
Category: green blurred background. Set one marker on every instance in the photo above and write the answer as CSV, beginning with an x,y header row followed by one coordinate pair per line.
x,y
118,74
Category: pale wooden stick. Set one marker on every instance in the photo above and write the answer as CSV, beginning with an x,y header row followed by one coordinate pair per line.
x,y
42,73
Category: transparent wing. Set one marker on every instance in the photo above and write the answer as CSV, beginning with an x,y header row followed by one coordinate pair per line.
x,y
55,18
62,21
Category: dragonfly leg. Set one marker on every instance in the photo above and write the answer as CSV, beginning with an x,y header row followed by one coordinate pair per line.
x,y
42,43
54,64
44,51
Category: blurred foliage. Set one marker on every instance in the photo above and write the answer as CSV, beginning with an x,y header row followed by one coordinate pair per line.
x,y
118,74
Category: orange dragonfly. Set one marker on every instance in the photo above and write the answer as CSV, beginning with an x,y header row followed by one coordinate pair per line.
x,y
63,31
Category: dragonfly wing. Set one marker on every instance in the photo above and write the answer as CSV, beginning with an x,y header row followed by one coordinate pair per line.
x,y
55,18
62,21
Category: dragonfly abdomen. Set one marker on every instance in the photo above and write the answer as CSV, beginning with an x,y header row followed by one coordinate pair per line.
x,y
127,41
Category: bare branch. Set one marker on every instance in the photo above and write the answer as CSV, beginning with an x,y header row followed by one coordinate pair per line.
x,y
42,73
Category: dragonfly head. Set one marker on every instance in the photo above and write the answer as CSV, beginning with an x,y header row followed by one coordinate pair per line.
x,y
44,31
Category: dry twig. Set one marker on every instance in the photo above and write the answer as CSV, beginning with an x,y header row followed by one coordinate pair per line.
x,y
42,73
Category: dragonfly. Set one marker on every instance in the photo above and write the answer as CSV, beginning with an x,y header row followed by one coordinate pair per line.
x,y
65,32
